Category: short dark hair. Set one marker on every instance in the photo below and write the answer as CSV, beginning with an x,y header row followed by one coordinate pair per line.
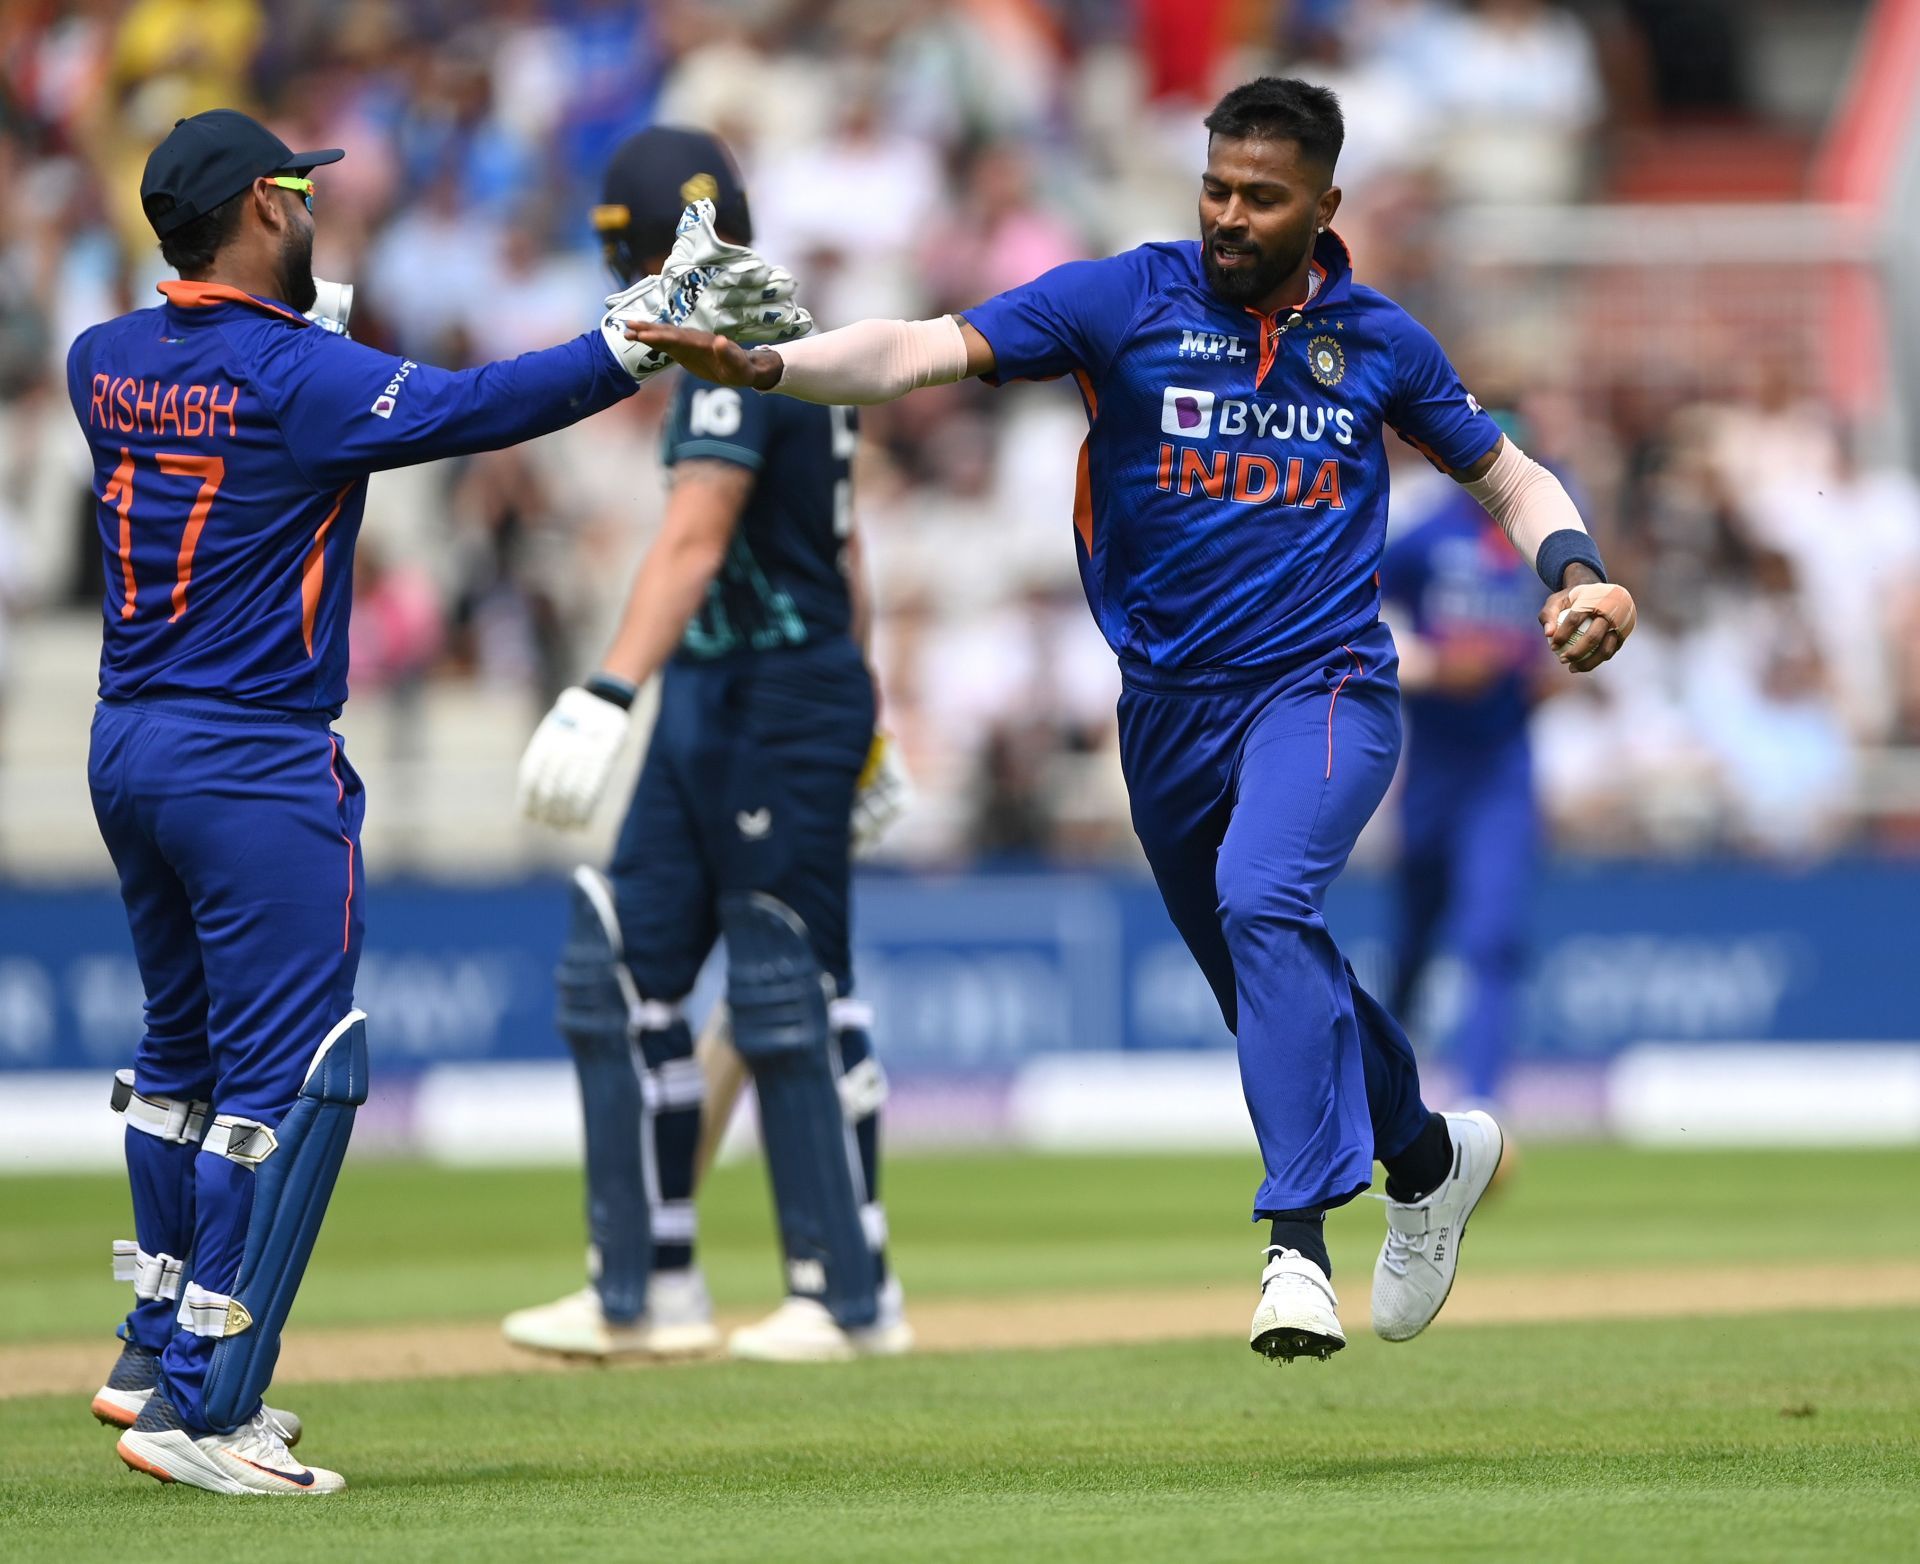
x,y
192,247
1283,108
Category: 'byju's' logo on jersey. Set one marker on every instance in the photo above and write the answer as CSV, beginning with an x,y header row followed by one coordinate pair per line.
x,y
1186,412
383,404
1211,344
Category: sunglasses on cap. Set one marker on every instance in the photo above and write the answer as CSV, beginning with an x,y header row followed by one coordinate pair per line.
x,y
293,182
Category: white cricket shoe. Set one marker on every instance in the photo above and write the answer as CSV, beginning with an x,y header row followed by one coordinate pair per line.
x,y
1298,1314
120,1401
889,1335
802,1330
254,1458
678,1323
1414,1273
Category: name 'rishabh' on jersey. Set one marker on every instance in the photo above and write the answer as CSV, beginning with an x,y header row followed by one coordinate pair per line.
x,y
784,580
1232,496
232,440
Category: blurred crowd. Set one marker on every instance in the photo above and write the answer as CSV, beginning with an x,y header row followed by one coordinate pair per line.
x,y
912,156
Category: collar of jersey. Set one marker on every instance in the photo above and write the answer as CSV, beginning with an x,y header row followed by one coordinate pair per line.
x,y
185,295
1332,270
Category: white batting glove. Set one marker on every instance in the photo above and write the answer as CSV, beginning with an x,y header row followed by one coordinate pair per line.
x,y
882,795
706,285
570,757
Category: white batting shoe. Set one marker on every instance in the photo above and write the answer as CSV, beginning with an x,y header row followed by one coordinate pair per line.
x,y
254,1458
801,1330
678,1323
1414,1273
1297,1316
889,1335
120,1401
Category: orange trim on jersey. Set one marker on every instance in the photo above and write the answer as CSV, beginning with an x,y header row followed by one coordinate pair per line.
x,y
205,295
1083,474
1270,327
1269,343
313,574
1424,449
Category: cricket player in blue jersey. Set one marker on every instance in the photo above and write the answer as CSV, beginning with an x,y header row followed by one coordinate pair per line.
x,y
1470,671
750,604
1230,516
232,439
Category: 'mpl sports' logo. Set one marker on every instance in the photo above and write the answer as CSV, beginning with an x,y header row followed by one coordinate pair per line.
x,y
1214,345
1186,412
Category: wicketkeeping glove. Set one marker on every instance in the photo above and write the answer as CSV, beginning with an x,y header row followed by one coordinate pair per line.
x,y
882,795
708,285
570,757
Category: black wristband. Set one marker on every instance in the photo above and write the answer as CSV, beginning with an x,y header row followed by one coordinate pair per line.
x,y
616,692
1568,546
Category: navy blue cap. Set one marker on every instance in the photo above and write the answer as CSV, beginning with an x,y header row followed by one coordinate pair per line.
x,y
210,158
650,179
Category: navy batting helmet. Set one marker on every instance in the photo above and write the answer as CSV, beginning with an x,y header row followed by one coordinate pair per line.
x,y
651,177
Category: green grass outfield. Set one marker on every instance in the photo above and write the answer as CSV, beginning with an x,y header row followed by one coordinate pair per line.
x,y
407,1242
1793,1436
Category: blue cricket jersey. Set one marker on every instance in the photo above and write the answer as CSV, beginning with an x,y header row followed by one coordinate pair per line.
x,y
784,581
1456,576
1232,495
232,440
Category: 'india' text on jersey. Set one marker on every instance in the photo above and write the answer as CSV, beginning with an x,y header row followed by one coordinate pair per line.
x,y
1232,496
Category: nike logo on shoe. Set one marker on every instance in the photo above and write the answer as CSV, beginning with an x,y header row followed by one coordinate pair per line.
x,y
300,1479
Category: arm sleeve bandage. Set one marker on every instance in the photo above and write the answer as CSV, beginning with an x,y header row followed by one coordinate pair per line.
x,y
1537,515
873,361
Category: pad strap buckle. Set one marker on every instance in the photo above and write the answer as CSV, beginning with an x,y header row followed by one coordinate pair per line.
x,y
245,1141
208,1313
152,1275
652,1015
863,1089
673,1084
173,1119
850,1014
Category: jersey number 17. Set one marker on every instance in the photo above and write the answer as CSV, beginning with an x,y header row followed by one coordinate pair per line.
x,y
210,470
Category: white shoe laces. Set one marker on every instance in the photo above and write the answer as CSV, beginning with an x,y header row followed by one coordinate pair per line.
x,y
1401,1247
263,1439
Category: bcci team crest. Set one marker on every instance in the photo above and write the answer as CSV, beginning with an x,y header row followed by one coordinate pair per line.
x,y
1328,361
701,187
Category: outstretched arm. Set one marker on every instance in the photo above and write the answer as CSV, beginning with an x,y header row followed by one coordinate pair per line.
x,y
858,365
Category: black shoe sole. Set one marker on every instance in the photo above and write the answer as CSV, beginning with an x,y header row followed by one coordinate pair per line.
x,y
1288,1342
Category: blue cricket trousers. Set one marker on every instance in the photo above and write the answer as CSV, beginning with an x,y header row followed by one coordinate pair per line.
x,y
1470,848
1249,789
748,785
236,835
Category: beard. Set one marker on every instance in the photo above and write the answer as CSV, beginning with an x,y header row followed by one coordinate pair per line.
x,y
1254,279
296,270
